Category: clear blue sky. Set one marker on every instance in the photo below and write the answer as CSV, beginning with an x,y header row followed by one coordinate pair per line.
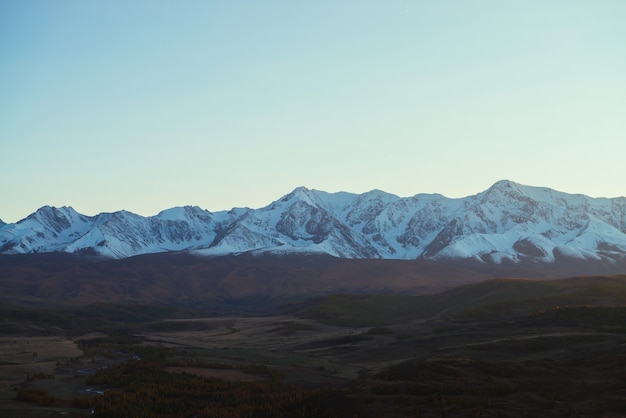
x,y
143,105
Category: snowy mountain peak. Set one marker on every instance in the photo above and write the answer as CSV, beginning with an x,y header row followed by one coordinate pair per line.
x,y
302,194
56,218
376,194
506,185
182,213
505,188
52,212
507,222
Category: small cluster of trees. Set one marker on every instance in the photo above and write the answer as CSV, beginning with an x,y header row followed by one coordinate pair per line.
x,y
587,314
38,376
39,396
108,346
145,389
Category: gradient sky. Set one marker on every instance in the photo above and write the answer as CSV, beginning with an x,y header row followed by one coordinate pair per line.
x,y
144,105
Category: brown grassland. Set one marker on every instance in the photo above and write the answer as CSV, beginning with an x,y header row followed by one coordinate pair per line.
x,y
501,348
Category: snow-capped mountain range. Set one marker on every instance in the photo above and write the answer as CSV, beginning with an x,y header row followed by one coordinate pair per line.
x,y
507,222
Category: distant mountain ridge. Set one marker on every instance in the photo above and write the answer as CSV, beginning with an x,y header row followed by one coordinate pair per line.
x,y
507,223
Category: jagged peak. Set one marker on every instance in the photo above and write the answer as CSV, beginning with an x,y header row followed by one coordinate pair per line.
x,y
370,224
178,213
119,214
320,198
538,194
297,192
506,185
509,189
52,212
379,194
300,193
49,209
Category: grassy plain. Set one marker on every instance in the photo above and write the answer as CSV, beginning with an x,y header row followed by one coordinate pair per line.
x,y
503,348
47,362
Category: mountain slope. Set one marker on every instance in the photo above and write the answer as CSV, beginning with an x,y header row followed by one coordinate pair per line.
x,y
183,279
507,223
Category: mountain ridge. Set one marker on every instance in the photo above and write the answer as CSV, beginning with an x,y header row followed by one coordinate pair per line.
x,y
508,222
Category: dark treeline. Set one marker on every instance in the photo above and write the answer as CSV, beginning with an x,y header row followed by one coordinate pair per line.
x,y
145,389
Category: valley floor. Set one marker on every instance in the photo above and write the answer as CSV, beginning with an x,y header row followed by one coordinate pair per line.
x,y
428,367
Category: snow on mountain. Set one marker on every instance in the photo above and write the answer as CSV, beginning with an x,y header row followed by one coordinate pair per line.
x,y
46,230
507,222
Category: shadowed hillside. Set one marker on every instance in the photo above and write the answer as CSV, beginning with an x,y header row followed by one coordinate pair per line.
x,y
501,347
492,299
183,279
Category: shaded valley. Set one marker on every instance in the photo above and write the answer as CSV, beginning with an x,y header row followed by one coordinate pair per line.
x,y
494,348
253,281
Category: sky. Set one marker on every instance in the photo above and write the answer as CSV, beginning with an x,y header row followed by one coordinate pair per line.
x,y
145,105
